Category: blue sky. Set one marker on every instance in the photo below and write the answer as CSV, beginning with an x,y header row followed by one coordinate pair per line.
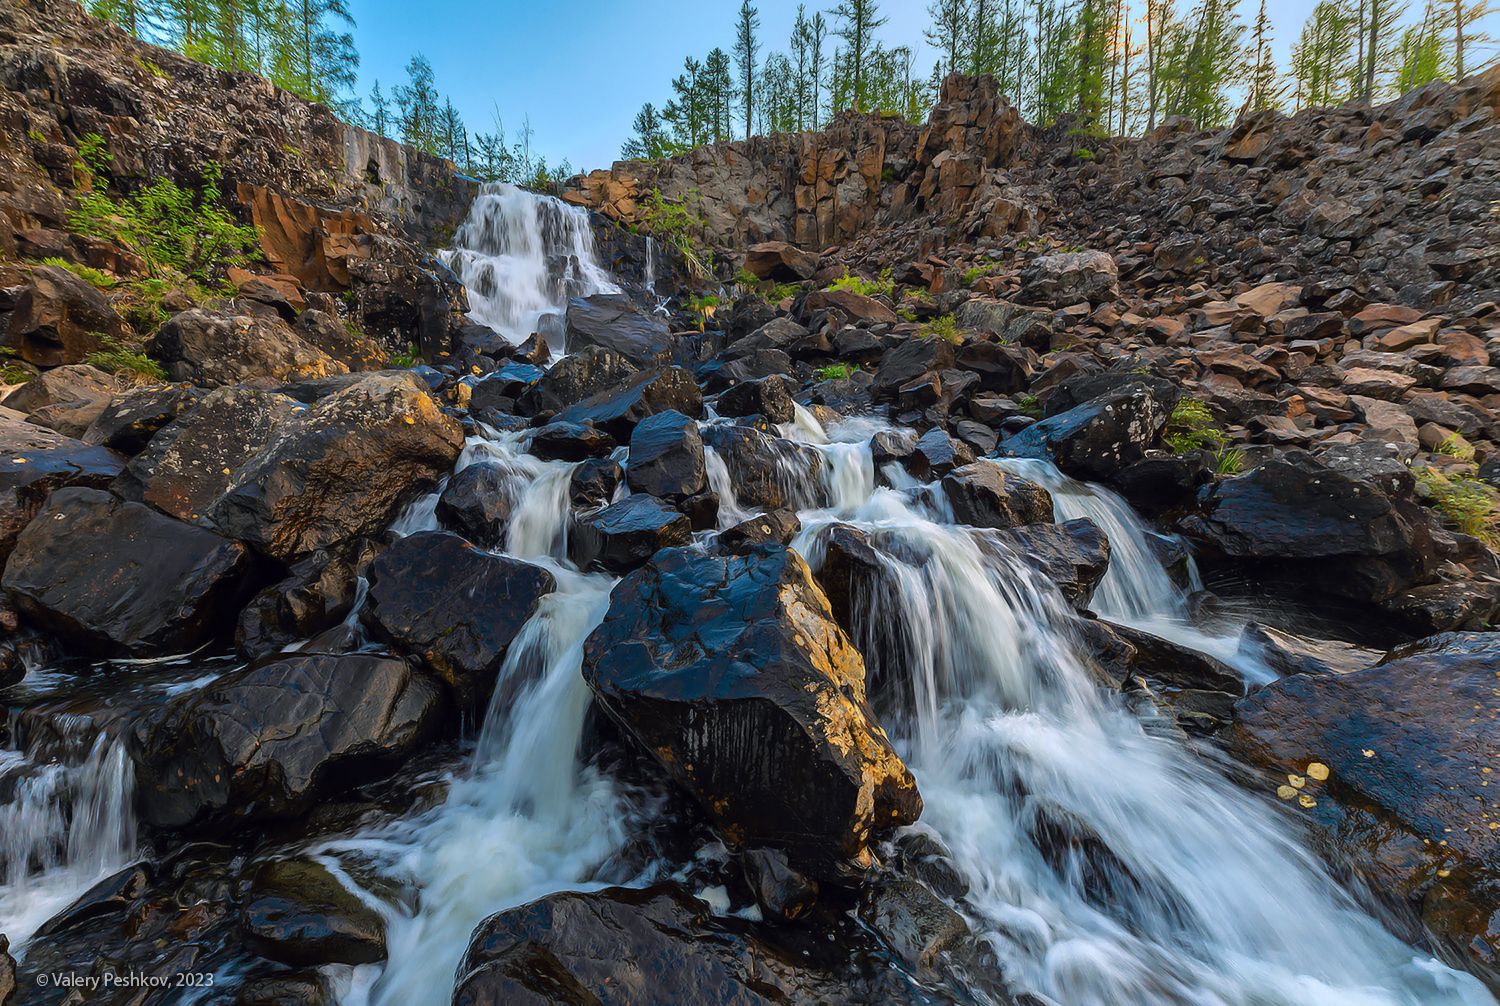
x,y
581,70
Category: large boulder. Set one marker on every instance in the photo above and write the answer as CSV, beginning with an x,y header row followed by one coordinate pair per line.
x,y
458,609
132,418
573,378
780,262
477,503
1397,767
33,462
211,349
983,494
272,741
67,399
1294,518
632,947
298,913
1098,438
767,471
1072,556
340,469
118,577
622,536
731,672
1067,278
616,410
193,460
666,457
610,321
59,319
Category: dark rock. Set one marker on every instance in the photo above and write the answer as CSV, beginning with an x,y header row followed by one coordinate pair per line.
x,y
594,482
114,577
130,420
1072,556
767,471
776,526
621,537
436,597
318,595
35,462
298,913
617,410
573,378
477,503
208,349
67,399
780,262
611,322
1067,278
341,469
983,494
912,920
909,361
854,306
272,741
1287,654
59,319
504,388
1406,746
569,442
781,891
1001,368
1097,439
666,457
770,397
731,672
936,453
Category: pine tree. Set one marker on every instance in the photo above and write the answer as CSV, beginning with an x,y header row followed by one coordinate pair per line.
x,y
650,140
746,49
1380,17
1265,87
718,83
858,20
324,60
417,100
380,110
1323,60
817,38
1421,54
951,25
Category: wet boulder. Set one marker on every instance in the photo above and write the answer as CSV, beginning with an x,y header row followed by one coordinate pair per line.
x,y
627,947
117,577
1395,765
295,911
59,319
318,595
770,397
68,399
593,482
193,460
1293,518
935,453
779,526
272,741
340,469
1095,440
1067,278
502,389
731,672
132,418
617,409
768,471
610,321
1072,556
33,462
666,457
983,494
209,349
622,536
911,360
457,608
477,503
569,442
573,378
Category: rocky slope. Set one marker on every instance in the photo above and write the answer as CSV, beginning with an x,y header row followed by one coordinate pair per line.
x,y
255,612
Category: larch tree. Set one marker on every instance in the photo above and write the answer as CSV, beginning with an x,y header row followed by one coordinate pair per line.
x,y
746,51
950,30
857,22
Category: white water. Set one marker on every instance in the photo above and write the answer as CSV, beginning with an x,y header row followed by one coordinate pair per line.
x,y
522,256
69,823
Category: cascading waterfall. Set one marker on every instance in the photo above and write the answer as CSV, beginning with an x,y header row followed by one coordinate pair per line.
x,y
522,256
68,822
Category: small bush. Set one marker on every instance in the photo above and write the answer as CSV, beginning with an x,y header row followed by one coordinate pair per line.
x,y
885,286
170,228
1455,447
13,371
1030,405
976,273
704,307
945,328
1192,428
1229,461
671,222
835,372
746,279
783,291
116,358
94,277
405,361
1465,502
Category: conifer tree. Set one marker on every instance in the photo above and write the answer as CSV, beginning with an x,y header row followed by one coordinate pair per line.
x,y
950,31
746,49
380,110
857,22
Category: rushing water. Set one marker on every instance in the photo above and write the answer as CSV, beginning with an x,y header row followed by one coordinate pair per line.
x,y
521,256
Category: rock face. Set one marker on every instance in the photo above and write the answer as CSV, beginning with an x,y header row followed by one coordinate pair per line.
x,y
458,609
211,349
117,577
626,947
1296,516
1406,751
339,469
732,673
271,741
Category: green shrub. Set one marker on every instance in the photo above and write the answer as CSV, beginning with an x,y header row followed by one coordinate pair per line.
x,y
672,223
406,360
746,279
13,371
1455,447
975,273
783,291
835,372
945,328
703,306
115,358
172,229
1192,428
94,277
1229,461
1030,405
1465,502
885,286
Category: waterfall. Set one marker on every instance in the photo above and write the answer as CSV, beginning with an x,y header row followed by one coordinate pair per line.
x,y
522,256
67,823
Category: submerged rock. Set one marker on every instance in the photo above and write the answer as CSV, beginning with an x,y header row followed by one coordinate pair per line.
x,y
731,671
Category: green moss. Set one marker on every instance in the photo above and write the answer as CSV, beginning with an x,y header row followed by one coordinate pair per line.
x,y
885,286
94,277
945,328
407,360
150,67
1030,405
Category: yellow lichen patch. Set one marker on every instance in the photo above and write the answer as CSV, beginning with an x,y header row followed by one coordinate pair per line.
x,y
1317,770
1307,800
1297,781
1285,792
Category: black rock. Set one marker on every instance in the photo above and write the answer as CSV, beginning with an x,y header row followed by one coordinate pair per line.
x,y
1072,556
666,457
562,441
298,913
37,461
768,471
316,597
1095,440
477,503
775,526
983,494
593,482
622,536
130,420
617,410
611,322
770,397
574,378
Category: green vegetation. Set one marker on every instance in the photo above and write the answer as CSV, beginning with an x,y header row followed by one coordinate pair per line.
x,y
412,357
1030,405
745,278
945,328
674,224
1455,447
783,291
835,372
1465,502
173,230
94,277
975,273
885,286
703,306
1191,428
114,357
1229,461
12,370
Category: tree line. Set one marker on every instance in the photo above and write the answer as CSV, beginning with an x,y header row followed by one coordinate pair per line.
x,y
1105,66
306,47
